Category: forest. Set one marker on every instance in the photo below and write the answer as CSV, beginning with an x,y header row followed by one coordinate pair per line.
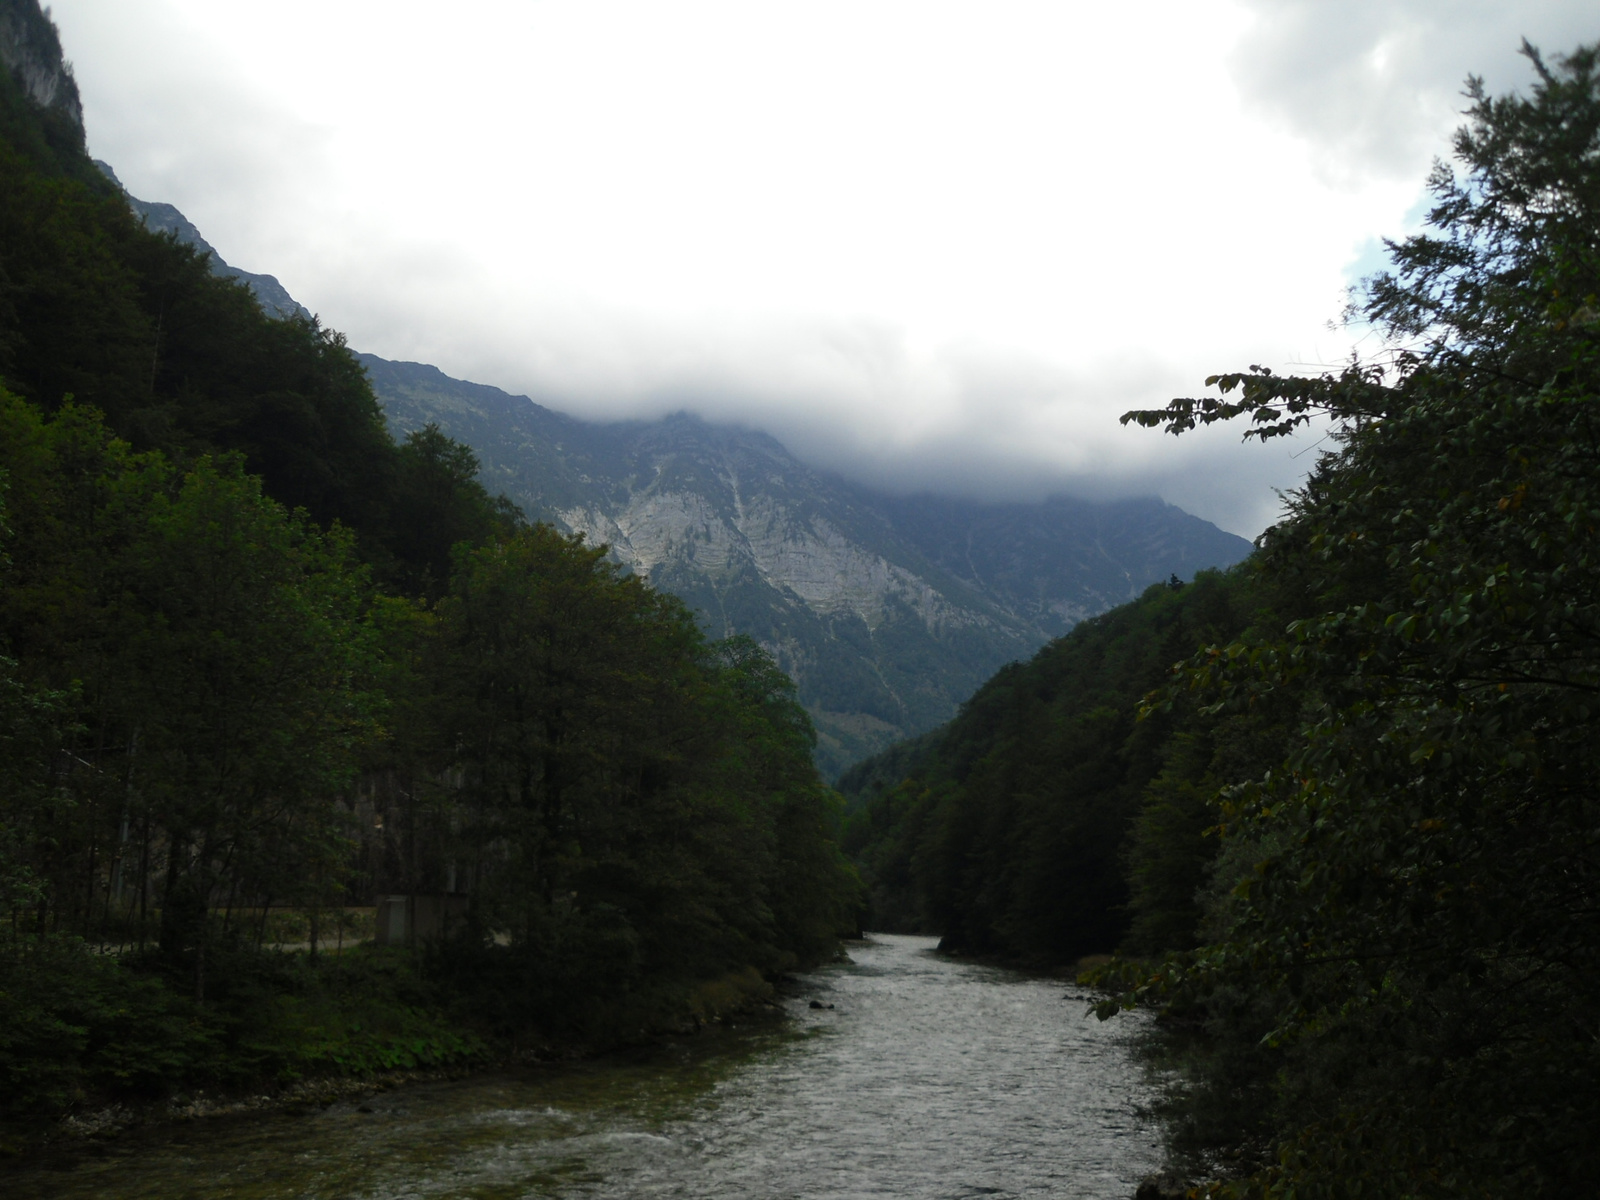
x,y
1334,812
1328,819
258,661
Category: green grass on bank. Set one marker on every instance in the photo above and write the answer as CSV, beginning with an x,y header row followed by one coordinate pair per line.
x,y
79,1027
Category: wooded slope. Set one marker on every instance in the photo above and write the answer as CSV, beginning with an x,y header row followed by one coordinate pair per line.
x,y
1361,816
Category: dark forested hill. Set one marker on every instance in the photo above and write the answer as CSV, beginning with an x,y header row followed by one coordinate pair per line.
x,y
262,664
1008,831
887,611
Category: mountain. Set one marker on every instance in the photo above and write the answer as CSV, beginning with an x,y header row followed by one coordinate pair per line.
x,y
887,611
30,48
1057,562
273,297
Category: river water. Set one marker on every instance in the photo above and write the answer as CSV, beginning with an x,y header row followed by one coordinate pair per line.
x,y
927,1079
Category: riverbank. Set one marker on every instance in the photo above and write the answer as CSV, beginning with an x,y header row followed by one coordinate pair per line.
x,y
918,1076
100,1125
293,1035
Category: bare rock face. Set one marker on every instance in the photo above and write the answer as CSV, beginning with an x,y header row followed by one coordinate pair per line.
x,y
888,612
791,552
31,50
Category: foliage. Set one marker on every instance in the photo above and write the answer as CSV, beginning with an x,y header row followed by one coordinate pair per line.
x,y
240,628
219,657
76,1024
633,805
70,1018
1006,831
1405,923
438,505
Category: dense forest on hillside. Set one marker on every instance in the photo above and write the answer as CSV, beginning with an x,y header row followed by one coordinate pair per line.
x,y
1008,831
1349,847
256,657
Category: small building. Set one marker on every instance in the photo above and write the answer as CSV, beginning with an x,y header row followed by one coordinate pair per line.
x,y
408,920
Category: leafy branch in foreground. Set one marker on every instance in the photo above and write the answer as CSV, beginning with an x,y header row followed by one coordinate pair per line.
x,y
1401,967
1277,405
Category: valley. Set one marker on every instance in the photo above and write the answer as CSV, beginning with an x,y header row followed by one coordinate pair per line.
x,y
887,611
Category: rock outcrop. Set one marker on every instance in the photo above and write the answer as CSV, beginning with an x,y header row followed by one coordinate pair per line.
x,y
30,49
887,611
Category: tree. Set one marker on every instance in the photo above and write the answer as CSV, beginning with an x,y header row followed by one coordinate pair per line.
x,y
1404,937
766,766
637,812
439,504
247,679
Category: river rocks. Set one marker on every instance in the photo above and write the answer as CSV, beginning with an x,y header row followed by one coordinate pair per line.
x,y
1165,1186
103,1122
305,1097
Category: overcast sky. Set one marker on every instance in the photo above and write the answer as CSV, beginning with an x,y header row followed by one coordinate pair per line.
x,y
930,245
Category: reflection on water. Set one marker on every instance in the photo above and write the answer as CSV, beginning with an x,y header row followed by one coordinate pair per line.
x,y
927,1079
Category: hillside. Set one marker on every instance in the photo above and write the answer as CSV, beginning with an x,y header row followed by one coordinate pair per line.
x,y
261,663
1006,830
887,611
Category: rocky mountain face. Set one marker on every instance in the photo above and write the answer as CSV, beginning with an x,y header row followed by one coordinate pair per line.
x,y
30,49
887,611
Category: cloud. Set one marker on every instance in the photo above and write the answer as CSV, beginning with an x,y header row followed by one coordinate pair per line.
x,y
927,244
868,402
1376,85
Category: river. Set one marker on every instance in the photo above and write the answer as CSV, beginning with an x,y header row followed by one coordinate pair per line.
x,y
927,1079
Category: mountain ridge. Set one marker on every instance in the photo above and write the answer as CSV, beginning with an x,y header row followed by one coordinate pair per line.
x,y
888,612
160,217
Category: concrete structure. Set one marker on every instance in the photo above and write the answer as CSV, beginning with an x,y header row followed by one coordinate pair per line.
x,y
408,920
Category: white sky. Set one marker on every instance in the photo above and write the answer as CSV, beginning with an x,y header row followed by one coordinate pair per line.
x,y
930,245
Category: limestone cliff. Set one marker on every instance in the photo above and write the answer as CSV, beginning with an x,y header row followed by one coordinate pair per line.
x,y
887,611
30,49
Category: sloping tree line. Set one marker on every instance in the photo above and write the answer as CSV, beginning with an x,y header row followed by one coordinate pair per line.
x,y
1008,831
1361,817
205,696
242,630
1405,969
